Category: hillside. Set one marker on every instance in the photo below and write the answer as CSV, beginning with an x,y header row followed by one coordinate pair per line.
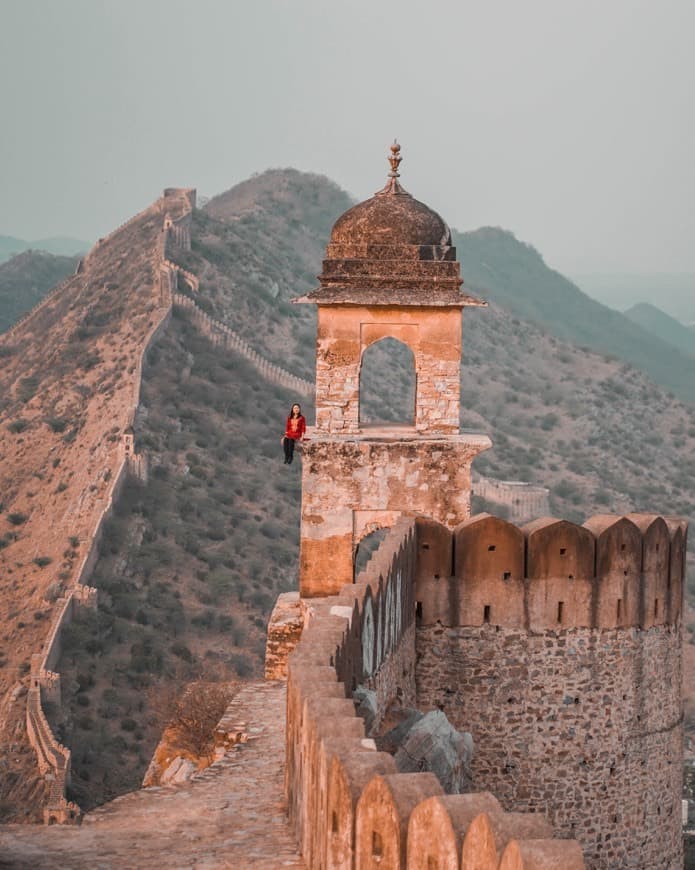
x,y
191,562
667,328
58,245
69,380
499,267
26,278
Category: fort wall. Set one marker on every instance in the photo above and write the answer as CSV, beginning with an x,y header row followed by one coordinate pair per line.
x,y
347,802
54,758
224,336
523,500
557,646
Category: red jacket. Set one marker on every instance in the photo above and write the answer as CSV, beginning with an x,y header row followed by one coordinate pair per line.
x,y
295,427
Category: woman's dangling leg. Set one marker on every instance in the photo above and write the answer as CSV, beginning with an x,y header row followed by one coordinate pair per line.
x,y
290,448
287,447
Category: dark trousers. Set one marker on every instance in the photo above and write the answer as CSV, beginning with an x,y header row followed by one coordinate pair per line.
x,y
288,444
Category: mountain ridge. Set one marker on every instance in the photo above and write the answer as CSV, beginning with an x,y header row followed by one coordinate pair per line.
x,y
63,246
191,562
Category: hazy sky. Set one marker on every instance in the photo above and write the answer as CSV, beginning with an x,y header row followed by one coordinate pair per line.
x,y
570,122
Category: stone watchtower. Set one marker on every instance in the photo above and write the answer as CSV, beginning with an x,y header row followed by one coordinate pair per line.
x,y
390,272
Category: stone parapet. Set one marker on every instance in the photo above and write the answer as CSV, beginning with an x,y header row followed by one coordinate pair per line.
x,y
348,805
284,630
524,501
551,575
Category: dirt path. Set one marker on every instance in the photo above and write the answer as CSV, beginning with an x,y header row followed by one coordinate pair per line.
x,y
229,816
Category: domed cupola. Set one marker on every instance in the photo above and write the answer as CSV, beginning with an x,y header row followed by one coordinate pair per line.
x,y
390,248
391,217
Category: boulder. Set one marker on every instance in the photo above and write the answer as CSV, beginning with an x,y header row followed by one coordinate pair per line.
x,y
431,743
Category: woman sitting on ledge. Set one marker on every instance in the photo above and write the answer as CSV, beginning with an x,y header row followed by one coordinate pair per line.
x,y
294,431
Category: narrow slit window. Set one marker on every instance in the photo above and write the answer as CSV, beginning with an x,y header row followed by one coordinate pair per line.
x,y
491,548
507,575
334,822
486,613
618,609
560,607
377,845
563,551
656,607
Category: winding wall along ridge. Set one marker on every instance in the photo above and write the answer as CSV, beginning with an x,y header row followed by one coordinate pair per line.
x,y
221,334
53,758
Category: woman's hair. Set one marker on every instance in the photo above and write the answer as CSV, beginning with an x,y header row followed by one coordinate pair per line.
x,y
299,409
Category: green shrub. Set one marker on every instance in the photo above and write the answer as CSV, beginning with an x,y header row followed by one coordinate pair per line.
x,y
182,651
57,424
27,388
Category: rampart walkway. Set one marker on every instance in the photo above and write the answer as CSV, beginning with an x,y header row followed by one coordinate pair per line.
x,y
229,816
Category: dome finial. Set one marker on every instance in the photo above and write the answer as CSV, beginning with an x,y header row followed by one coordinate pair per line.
x,y
393,185
394,159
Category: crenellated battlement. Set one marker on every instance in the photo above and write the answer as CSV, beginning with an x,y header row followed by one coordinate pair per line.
x,y
535,638
348,804
610,572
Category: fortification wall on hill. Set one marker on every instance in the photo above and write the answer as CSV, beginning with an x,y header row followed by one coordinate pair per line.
x,y
54,758
222,335
49,297
524,500
348,804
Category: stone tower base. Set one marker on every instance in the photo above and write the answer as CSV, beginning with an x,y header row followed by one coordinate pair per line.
x,y
353,485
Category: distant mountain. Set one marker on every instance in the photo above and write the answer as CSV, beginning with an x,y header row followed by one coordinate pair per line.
x,y
674,292
26,278
60,245
499,267
659,323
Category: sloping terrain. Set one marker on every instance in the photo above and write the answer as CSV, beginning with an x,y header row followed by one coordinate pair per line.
x,y
499,267
25,279
68,385
667,328
192,561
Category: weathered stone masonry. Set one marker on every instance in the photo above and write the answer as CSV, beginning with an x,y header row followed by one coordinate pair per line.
x,y
348,804
559,648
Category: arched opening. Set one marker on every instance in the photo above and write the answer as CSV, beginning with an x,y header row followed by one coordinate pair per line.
x,y
387,384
